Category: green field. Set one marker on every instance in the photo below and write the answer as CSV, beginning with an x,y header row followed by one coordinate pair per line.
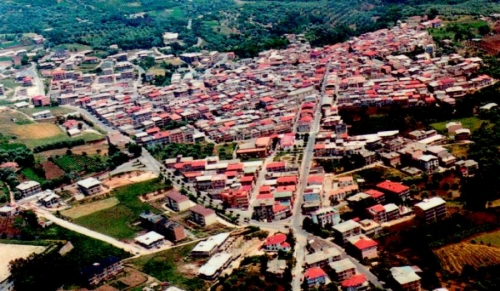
x,y
56,110
117,220
9,83
492,238
73,47
30,174
472,123
77,163
164,266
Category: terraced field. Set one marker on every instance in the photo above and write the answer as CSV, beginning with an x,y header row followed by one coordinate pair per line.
x,y
454,257
76,163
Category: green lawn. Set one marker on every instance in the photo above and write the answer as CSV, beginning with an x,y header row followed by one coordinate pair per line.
x,y
177,13
472,123
74,46
56,110
117,220
164,266
492,238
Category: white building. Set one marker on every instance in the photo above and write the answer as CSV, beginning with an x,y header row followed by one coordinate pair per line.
x,y
214,267
210,246
89,186
150,240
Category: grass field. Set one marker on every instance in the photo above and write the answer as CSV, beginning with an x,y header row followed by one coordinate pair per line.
x,y
61,137
165,266
86,209
56,110
492,238
76,163
472,123
157,71
9,83
117,221
454,257
73,46
459,150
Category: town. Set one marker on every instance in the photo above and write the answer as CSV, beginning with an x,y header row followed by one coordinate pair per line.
x,y
243,163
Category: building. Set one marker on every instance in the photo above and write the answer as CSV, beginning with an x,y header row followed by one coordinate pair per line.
x,y
202,216
45,114
276,268
323,257
48,199
432,209
395,190
210,246
150,240
315,276
172,230
392,211
345,230
343,269
29,188
214,267
327,215
377,213
276,243
428,163
235,198
89,186
177,202
405,279
363,247
357,282
102,271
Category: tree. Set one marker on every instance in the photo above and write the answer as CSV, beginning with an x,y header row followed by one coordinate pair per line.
x,y
25,60
134,149
484,29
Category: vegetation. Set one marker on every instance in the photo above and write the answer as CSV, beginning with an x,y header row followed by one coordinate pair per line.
x,y
172,150
80,163
32,273
165,266
472,123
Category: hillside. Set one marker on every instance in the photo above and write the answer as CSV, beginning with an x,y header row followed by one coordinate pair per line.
x,y
245,27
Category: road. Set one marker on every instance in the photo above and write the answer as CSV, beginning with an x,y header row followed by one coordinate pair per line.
x,y
31,71
296,221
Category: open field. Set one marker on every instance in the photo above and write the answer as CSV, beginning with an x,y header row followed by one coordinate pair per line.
x,y
117,220
86,209
459,150
31,175
128,178
168,265
56,110
157,71
472,123
36,131
489,238
52,170
454,257
90,149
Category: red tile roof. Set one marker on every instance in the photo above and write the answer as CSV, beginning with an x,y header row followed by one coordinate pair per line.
x,y
201,210
313,273
377,208
177,196
354,281
374,193
365,243
275,239
393,187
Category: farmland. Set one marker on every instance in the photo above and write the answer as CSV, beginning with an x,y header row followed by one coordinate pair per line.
x,y
489,238
117,221
454,257
52,170
55,110
30,174
79,163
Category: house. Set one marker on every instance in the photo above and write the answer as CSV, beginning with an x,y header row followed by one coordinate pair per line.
x,y
467,168
45,114
70,124
392,211
177,202
89,186
343,269
391,159
202,216
210,246
378,196
428,163
357,282
363,247
276,243
214,267
377,213
432,209
462,134
29,188
405,279
40,100
326,215
323,257
150,240
315,276
370,227
48,199
102,270
345,230
396,190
